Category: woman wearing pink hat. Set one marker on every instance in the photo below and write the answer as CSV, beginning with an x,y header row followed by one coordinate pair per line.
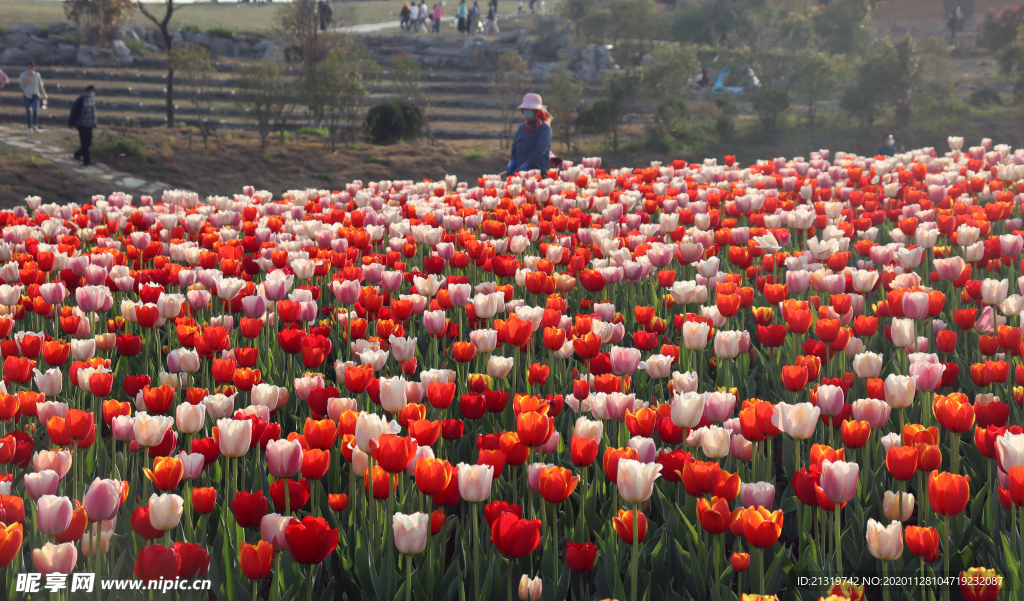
x,y
531,148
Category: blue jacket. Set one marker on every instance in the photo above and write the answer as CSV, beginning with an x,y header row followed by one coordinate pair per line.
x,y
532,149
886,150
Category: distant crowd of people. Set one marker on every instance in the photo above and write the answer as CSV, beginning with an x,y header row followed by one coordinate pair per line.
x,y
415,17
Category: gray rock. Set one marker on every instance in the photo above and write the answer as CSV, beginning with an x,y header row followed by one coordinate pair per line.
x,y
511,37
261,45
272,52
28,29
243,47
121,50
86,55
14,56
221,47
16,39
57,27
152,47
127,33
40,51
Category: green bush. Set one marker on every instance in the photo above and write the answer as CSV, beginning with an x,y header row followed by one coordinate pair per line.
x,y
120,145
190,28
985,96
137,46
222,32
315,131
393,120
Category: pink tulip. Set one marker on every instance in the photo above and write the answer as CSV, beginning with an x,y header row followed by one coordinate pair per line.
x,y
873,411
284,458
740,448
347,291
53,514
915,305
55,559
645,449
756,494
102,500
552,444
839,480
41,483
719,406
831,399
272,528
929,375
58,461
949,269
624,360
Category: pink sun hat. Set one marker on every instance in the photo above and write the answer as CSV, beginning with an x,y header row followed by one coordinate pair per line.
x,y
532,101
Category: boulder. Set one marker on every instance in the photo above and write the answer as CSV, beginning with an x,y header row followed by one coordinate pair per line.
x,y
86,55
57,27
511,37
40,51
28,29
221,47
14,56
16,39
126,33
121,50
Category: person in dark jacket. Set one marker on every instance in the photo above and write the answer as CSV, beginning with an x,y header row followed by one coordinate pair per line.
x,y
83,117
531,148
888,147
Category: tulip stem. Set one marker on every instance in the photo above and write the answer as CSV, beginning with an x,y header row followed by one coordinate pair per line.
x,y
309,584
476,555
838,543
760,569
408,577
945,558
885,576
509,579
634,567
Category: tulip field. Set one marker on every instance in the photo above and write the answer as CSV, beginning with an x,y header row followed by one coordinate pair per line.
x,y
799,379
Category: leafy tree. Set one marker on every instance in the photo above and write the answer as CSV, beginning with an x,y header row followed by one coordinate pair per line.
x,y
265,92
100,18
886,77
564,97
622,88
844,26
335,89
712,21
510,82
665,85
815,78
192,64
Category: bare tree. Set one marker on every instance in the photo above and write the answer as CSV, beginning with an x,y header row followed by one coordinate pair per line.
x,y
333,90
266,95
192,62
564,97
510,83
299,23
405,85
163,24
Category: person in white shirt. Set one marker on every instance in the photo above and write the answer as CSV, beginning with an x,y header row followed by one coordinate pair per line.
x,y
32,89
421,22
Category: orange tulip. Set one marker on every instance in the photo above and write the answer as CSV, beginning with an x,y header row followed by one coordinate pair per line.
x,y
534,429
432,475
11,537
256,560
948,493
761,527
610,462
714,516
623,524
923,542
557,483
901,462
320,434
166,473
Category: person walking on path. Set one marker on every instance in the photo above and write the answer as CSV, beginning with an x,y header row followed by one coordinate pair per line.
x,y
3,79
474,18
406,15
531,148
492,20
32,89
461,15
438,13
326,15
421,20
83,117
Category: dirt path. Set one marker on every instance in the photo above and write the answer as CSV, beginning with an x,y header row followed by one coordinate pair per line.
x,y
53,146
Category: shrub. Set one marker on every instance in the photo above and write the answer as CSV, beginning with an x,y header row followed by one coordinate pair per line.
x,y
393,120
120,145
770,104
1000,27
222,32
985,97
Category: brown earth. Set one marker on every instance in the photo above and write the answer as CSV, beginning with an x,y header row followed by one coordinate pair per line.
x,y
23,174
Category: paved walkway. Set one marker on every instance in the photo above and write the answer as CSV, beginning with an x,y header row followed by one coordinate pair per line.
x,y
53,143
368,27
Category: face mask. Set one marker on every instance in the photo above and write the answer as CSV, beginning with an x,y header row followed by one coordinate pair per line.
x,y
890,142
528,114
92,94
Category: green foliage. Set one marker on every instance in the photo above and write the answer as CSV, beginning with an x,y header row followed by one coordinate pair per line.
x,y
135,45
475,153
265,92
725,124
190,28
815,78
887,76
843,27
222,32
116,144
770,104
321,132
985,96
191,63
712,21
1000,28
393,120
